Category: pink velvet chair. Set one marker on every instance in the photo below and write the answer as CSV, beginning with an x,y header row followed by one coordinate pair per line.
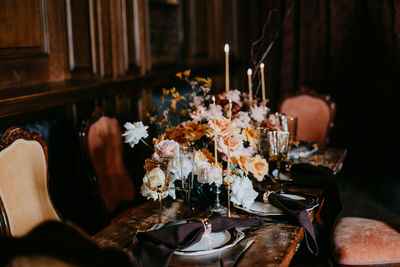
x,y
24,195
102,139
315,113
361,241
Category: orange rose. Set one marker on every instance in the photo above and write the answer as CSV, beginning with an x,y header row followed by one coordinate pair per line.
x,y
236,144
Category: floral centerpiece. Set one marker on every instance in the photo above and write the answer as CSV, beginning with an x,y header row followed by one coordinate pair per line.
x,y
205,126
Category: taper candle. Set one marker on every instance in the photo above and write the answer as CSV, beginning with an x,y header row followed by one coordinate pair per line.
x,y
226,49
262,81
215,134
249,73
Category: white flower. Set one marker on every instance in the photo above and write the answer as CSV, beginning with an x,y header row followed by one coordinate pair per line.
x,y
181,166
243,121
199,114
242,191
156,178
233,95
257,113
211,175
149,194
214,112
135,132
197,100
249,151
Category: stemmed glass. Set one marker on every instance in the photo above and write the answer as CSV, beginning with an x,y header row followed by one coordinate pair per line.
x,y
278,146
157,172
186,158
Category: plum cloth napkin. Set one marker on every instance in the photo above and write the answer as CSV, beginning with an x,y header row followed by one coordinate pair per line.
x,y
296,211
155,248
307,175
304,174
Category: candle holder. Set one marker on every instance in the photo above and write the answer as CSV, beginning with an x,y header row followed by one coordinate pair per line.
x,y
218,208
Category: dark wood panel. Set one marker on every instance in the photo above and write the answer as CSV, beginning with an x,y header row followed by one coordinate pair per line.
x,y
132,29
165,32
79,35
23,27
289,54
314,43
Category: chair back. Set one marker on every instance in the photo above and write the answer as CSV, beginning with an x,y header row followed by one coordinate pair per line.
x,y
315,113
103,144
24,195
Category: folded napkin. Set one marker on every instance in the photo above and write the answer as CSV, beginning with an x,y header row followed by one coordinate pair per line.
x,y
304,174
155,248
296,210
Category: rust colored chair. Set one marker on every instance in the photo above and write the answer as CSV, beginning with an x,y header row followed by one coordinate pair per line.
x,y
24,195
361,242
315,113
111,183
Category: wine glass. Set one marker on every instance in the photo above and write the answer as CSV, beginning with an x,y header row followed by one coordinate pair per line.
x,y
278,146
186,158
157,172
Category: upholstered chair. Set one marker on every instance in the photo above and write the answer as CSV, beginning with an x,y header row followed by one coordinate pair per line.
x,y
315,113
361,241
25,201
102,140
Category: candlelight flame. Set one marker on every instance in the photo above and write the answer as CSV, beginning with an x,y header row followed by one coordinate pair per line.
x,y
226,48
262,65
213,99
249,72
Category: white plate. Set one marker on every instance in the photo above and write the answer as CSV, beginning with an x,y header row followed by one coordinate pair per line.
x,y
262,209
282,176
211,243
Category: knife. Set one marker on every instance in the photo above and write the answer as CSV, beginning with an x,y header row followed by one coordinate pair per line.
x,y
232,259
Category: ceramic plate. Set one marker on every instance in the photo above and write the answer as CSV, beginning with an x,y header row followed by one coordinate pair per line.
x,y
282,176
261,209
212,243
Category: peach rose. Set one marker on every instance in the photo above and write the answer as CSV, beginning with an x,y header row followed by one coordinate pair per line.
x,y
258,166
250,135
236,144
221,126
167,148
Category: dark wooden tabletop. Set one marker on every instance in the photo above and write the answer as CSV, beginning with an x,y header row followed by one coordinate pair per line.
x,y
275,242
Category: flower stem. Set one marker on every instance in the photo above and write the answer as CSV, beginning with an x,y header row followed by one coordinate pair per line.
x,y
144,142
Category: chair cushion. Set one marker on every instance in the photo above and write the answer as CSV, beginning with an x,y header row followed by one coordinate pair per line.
x,y
24,164
360,241
105,148
313,117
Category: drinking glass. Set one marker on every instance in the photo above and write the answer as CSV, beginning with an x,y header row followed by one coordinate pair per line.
x,y
186,157
278,145
157,172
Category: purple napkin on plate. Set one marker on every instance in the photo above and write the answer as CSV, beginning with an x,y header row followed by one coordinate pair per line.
x,y
155,248
296,210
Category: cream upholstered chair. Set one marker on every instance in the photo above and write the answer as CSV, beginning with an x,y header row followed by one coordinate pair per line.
x,y
101,138
315,113
361,241
24,196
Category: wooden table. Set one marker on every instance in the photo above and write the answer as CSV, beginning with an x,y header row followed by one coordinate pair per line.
x,y
275,242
